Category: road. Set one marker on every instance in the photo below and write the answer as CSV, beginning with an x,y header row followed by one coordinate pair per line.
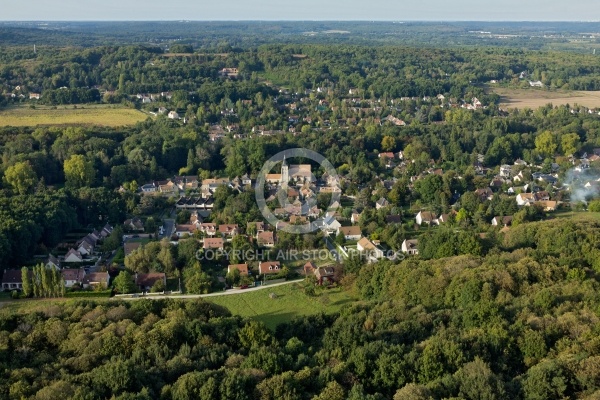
x,y
169,225
196,296
332,249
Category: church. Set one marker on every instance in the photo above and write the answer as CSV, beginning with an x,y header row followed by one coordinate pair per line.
x,y
297,173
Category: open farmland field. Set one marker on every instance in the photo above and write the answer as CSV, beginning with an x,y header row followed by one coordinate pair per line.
x,y
97,115
535,98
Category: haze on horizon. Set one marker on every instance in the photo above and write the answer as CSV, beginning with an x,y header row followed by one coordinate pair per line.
x,y
270,10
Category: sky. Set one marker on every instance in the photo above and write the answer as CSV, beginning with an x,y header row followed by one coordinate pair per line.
x,y
331,10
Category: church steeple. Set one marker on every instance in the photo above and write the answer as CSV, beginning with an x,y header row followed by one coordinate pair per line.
x,y
285,173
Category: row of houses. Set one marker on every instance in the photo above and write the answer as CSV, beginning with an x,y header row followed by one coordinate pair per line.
x,y
85,247
12,279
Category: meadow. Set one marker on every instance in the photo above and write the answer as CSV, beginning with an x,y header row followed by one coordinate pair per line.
x,y
94,115
290,301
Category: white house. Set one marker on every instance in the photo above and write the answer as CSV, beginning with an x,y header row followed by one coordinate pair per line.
x,y
330,224
410,246
173,115
425,217
373,252
72,276
525,199
73,256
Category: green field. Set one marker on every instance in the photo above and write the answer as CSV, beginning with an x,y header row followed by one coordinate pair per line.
x,y
97,115
290,302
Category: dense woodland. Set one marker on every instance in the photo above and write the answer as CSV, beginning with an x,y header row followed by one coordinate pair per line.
x,y
518,323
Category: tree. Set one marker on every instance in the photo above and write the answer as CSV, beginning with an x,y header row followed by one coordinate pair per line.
x,y
21,177
388,143
26,279
78,171
546,144
123,283
594,206
569,143
159,286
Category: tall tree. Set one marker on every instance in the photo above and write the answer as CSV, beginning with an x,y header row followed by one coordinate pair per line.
x,y
26,279
21,177
78,171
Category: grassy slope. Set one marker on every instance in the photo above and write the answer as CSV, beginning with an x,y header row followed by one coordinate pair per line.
x,y
290,302
67,115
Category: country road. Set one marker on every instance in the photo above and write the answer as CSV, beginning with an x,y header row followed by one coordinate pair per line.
x,y
195,296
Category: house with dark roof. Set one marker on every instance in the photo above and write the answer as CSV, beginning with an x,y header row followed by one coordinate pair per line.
x,y
145,281
410,246
130,247
325,274
96,279
12,279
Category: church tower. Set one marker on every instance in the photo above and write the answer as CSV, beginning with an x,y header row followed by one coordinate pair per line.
x,y
285,173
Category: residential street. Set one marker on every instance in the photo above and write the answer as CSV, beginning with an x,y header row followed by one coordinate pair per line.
x,y
194,296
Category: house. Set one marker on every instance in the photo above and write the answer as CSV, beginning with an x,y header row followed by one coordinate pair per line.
x,y
505,171
269,267
324,274
389,155
85,248
330,224
257,227
525,199
536,84
13,279
350,232
229,230
146,281
213,184
73,256
502,221
130,247
185,230
410,246
96,279
484,194
541,196
373,253
52,262
213,243
34,96
148,188
547,205
443,218
134,225
208,228
425,217
173,115
73,276
381,203
265,239
355,218
309,268
393,219
106,231
243,268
